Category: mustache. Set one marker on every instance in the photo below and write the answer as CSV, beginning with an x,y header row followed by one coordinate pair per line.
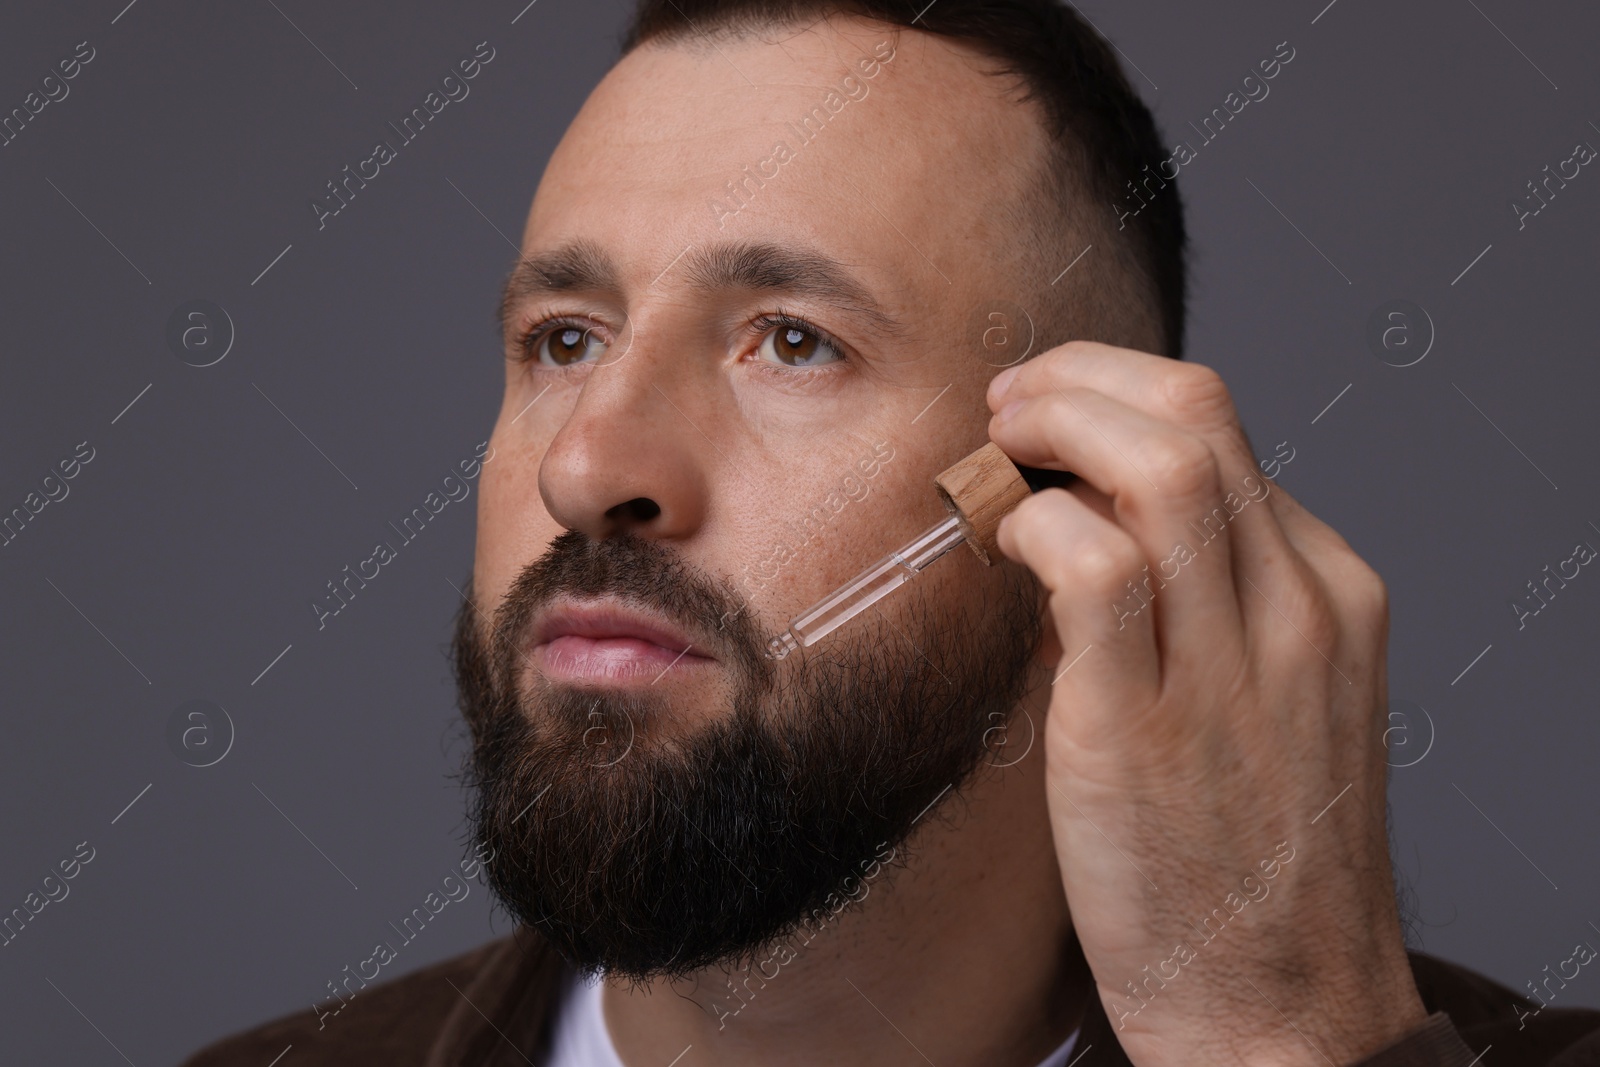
x,y
644,572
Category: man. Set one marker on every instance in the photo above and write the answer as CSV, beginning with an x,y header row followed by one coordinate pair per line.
x,y
1118,798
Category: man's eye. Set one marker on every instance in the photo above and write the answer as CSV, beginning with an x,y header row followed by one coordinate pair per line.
x,y
794,346
562,346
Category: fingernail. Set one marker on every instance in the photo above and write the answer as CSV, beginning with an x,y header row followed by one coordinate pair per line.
x,y
1009,410
1003,380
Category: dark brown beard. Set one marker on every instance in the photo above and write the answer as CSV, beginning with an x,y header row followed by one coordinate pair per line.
x,y
706,842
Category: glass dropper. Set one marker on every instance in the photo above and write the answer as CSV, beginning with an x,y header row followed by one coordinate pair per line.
x,y
977,491
867,588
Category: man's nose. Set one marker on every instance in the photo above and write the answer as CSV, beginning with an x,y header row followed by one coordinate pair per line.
x,y
630,458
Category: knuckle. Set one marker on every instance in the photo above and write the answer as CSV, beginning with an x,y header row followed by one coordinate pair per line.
x,y
1313,621
1103,565
1192,391
1365,591
1323,625
1179,464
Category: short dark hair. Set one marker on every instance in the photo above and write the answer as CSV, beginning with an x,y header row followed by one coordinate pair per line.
x,y
1104,137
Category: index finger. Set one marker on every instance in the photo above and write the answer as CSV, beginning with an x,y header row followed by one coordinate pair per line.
x,y
1187,395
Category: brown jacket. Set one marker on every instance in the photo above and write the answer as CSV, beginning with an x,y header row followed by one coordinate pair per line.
x,y
493,1007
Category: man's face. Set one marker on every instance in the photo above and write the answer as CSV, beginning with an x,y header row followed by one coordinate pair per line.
x,y
759,358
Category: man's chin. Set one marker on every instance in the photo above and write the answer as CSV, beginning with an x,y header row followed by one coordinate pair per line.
x,y
603,722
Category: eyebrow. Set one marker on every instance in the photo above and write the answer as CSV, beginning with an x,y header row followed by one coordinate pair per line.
x,y
758,266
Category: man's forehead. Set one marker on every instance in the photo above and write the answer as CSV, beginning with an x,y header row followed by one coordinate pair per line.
x,y
886,148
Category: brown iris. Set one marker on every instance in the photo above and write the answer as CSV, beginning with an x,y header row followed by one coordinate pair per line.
x,y
794,346
568,344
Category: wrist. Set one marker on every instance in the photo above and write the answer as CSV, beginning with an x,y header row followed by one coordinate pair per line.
x,y
1339,1027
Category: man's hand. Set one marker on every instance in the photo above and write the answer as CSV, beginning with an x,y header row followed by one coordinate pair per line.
x,y
1214,750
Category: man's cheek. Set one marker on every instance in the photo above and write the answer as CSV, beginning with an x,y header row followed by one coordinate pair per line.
x,y
508,533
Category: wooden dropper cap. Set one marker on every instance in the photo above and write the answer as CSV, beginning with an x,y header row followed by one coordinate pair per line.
x,y
979,490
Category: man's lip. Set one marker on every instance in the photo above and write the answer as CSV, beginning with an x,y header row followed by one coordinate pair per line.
x,y
599,619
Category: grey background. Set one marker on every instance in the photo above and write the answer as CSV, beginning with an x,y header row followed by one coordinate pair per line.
x,y
182,562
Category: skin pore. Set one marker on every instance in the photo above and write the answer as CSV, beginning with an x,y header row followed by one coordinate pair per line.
x,y
690,400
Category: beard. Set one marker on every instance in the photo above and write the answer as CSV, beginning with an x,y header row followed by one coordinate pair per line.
x,y
647,841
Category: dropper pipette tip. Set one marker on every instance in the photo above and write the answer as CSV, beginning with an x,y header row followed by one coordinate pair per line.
x,y
781,645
